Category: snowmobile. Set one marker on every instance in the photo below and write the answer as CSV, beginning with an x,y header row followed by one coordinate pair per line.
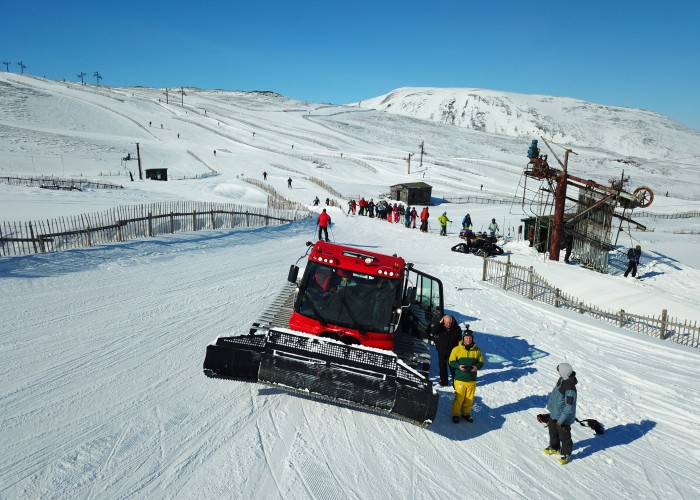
x,y
480,244
353,330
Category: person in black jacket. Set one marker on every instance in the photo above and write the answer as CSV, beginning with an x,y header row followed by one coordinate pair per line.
x,y
633,254
446,335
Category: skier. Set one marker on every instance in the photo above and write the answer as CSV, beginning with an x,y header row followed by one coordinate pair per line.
x,y
264,176
289,183
493,227
316,201
323,222
562,413
445,335
443,220
633,254
466,359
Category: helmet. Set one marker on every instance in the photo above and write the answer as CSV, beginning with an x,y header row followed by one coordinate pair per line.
x,y
493,220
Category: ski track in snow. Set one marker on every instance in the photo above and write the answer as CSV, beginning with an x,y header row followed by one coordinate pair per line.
x,y
101,354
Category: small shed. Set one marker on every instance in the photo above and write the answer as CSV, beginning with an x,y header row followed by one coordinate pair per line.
x,y
538,230
412,193
157,174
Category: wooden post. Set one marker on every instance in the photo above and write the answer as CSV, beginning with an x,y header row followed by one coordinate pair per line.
x,y
531,291
622,318
556,298
31,230
150,224
172,222
88,231
483,273
213,222
664,324
194,220
505,278
138,157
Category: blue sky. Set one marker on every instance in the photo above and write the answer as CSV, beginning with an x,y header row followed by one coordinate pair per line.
x,y
639,54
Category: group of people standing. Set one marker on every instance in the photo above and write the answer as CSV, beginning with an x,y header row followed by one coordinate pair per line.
x,y
461,359
396,213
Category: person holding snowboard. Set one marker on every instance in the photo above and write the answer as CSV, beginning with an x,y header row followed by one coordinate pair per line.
x,y
466,359
633,256
562,413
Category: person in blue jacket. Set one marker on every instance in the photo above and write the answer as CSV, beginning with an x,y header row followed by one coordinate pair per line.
x,y
562,413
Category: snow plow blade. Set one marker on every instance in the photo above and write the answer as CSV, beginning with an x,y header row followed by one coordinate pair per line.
x,y
327,369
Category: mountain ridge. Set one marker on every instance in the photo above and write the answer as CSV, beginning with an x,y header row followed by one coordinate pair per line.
x,y
630,132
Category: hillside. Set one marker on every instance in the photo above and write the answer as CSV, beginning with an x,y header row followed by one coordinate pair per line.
x,y
629,133
102,389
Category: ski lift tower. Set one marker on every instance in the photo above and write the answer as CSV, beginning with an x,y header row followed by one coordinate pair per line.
x,y
596,204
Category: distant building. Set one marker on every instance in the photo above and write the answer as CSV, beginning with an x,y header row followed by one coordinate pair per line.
x,y
412,193
157,174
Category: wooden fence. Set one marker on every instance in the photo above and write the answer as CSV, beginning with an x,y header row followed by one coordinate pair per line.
x,y
478,199
524,281
133,222
49,182
678,215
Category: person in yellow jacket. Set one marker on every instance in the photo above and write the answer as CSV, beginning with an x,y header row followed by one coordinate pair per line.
x,y
466,359
443,220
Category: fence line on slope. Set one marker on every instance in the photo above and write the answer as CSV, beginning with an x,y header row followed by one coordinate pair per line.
x,y
134,222
50,182
524,281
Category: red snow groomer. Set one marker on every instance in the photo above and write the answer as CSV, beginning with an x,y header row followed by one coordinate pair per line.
x,y
353,329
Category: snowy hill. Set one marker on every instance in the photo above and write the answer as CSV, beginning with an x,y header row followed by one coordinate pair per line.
x,y
626,132
101,384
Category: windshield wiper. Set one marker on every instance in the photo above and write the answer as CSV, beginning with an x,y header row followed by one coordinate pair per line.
x,y
359,328
312,305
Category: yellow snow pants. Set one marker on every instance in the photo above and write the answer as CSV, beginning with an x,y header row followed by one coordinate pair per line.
x,y
464,398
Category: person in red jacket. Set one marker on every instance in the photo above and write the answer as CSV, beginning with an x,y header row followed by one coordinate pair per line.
x,y
424,215
323,221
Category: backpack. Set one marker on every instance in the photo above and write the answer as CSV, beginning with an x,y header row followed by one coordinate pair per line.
x,y
630,253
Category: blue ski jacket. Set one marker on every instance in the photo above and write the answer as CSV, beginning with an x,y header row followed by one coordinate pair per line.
x,y
562,401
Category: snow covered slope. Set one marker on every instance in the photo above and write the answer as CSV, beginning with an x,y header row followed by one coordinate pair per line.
x,y
101,349
627,132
